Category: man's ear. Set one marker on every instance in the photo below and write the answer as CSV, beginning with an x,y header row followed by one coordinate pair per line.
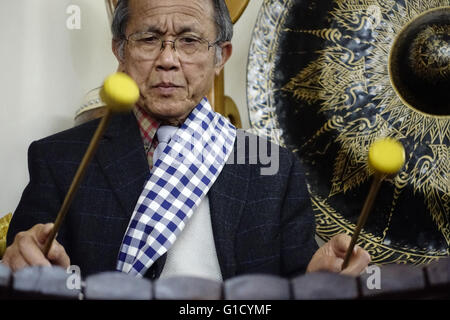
x,y
227,50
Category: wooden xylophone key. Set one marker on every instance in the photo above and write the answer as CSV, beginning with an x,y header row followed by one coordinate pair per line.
x,y
438,278
5,281
257,287
187,288
43,283
117,286
395,281
324,286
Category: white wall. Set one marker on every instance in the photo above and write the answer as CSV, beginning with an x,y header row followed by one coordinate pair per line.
x,y
46,69
236,67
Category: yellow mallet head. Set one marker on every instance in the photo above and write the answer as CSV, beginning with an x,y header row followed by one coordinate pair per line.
x,y
386,156
119,92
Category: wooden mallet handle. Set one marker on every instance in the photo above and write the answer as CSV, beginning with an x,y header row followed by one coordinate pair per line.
x,y
386,157
120,93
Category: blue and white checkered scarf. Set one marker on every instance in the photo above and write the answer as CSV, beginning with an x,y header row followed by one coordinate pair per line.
x,y
179,180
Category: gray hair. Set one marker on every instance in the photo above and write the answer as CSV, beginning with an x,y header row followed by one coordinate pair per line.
x,y
224,26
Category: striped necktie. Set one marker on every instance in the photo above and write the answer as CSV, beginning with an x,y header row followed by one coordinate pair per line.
x,y
163,134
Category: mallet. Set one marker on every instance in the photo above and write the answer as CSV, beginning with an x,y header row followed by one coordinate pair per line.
x,y
386,157
120,93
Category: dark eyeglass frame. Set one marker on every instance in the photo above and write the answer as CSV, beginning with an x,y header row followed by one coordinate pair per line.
x,y
141,35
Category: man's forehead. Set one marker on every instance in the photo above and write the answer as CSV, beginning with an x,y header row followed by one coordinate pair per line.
x,y
190,14
204,7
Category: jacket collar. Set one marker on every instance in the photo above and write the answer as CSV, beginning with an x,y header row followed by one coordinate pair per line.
x,y
121,156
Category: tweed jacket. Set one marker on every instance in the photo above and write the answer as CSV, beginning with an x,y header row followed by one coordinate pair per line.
x,y
260,223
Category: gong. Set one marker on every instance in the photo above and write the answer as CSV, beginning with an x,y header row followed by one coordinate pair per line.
x,y
328,78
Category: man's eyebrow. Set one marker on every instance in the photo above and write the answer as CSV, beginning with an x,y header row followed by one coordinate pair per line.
x,y
154,29
187,29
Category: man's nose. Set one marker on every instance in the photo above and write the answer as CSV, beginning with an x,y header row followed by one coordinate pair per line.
x,y
168,58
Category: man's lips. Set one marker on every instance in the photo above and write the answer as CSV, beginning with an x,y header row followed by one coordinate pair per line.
x,y
166,88
166,85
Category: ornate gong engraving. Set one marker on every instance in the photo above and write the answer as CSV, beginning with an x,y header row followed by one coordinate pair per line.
x,y
319,83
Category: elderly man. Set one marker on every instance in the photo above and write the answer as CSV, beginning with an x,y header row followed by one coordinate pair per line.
x,y
144,212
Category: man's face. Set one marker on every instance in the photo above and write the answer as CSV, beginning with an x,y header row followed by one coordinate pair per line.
x,y
171,87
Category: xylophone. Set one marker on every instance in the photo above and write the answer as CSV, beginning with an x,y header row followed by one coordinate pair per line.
x,y
396,282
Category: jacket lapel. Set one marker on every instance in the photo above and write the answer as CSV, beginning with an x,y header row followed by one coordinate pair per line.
x,y
227,199
122,158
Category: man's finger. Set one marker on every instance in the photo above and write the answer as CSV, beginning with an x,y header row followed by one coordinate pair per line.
x,y
16,263
358,262
43,231
340,244
31,252
58,255
337,264
330,264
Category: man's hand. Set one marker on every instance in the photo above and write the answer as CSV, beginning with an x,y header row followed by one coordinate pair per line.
x,y
330,257
26,250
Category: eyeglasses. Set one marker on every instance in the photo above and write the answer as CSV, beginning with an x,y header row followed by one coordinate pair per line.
x,y
148,45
